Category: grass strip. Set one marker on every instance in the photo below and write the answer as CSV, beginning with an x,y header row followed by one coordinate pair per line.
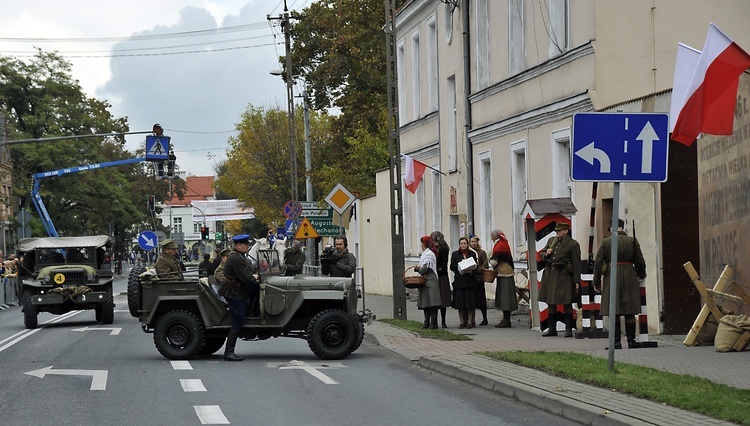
x,y
416,327
682,391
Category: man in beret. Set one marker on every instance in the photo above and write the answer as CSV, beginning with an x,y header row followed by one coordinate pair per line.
x,y
239,286
561,278
167,265
631,268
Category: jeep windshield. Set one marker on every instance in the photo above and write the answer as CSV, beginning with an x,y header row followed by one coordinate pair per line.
x,y
68,256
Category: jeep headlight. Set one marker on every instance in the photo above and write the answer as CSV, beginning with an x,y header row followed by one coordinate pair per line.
x,y
47,279
90,277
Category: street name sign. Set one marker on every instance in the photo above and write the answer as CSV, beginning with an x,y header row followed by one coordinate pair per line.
x,y
619,147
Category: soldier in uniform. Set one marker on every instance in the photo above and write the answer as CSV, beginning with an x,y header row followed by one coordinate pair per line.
x,y
239,286
219,272
631,267
294,259
167,265
562,276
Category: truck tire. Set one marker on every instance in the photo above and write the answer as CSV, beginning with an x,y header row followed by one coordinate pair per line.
x,y
134,290
360,330
332,334
213,344
105,313
179,335
30,311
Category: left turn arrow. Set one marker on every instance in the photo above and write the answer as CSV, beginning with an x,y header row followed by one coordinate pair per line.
x,y
98,377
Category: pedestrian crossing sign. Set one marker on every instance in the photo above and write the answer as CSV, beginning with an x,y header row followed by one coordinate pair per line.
x,y
157,147
306,230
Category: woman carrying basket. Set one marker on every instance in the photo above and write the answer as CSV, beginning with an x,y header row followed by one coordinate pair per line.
x,y
502,262
429,294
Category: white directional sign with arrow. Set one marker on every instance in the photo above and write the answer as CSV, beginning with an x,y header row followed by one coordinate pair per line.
x,y
311,368
98,377
620,147
114,331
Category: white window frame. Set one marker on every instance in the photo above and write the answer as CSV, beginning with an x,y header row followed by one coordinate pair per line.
x,y
516,42
416,75
559,22
482,43
400,58
452,124
519,181
437,199
176,224
432,63
561,163
486,199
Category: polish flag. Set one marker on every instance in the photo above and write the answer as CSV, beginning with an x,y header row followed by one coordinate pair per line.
x,y
414,171
707,106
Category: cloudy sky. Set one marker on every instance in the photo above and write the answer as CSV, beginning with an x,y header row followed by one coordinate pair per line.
x,y
133,54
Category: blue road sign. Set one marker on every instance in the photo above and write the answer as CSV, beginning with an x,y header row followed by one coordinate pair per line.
x,y
147,240
290,227
619,147
157,147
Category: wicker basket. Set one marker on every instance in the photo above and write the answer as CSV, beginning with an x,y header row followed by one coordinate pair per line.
x,y
488,275
414,281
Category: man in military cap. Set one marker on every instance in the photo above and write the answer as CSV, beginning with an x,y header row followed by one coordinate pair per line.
x,y
631,267
294,259
561,278
240,285
167,265
219,272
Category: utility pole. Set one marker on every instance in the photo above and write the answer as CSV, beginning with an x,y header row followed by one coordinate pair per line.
x,y
394,154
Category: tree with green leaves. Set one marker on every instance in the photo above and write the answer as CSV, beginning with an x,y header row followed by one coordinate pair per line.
x,y
40,99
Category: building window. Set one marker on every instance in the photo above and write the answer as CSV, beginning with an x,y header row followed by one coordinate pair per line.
x,y
437,200
451,128
485,196
559,21
432,64
519,189
416,77
177,224
483,44
400,58
563,186
515,36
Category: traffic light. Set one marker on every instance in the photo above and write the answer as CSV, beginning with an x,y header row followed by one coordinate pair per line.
x,y
151,203
204,232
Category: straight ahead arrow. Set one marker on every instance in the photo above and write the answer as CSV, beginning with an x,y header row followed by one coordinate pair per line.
x,y
648,136
98,377
114,330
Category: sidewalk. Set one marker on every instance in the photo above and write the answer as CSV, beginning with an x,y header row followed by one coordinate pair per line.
x,y
572,400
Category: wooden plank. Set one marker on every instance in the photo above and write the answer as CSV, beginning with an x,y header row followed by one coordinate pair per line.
x,y
709,303
725,296
743,341
740,292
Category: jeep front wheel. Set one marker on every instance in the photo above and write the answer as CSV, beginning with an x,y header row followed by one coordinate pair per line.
x,y
332,334
134,290
106,311
179,335
30,311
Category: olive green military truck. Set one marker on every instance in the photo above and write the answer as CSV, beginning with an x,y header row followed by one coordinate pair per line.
x,y
63,274
188,318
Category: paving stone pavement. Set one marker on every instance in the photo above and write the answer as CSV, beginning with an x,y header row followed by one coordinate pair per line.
x,y
572,400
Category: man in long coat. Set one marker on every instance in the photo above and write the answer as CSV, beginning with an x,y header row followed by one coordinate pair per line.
x,y
561,278
631,267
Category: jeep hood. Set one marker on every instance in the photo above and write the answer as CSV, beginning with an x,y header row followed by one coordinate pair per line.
x,y
26,245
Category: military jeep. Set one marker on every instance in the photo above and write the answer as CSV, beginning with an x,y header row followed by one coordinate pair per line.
x,y
188,317
59,275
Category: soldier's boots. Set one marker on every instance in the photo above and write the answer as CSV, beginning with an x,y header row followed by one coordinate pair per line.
x,y
229,354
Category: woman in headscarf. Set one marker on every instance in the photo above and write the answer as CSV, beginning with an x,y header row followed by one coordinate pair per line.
x,y
442,252
464,284
480,293
502,261
429,295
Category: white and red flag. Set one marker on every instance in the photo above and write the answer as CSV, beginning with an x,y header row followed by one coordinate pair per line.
x,y
706,104
414,171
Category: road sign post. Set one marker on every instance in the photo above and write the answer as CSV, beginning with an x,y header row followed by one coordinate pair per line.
x,y
618,147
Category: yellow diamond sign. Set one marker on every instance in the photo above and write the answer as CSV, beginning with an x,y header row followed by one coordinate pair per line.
x,y
340,198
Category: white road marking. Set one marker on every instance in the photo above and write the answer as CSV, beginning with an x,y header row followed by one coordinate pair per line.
x,y
210,415
114,331
312,369
98,377
181,365
26,333
192,385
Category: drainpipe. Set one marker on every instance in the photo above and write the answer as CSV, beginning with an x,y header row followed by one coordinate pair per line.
x,y
467,118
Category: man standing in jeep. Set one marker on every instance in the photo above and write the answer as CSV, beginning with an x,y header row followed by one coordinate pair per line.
x,y
238,287
341,263
167,265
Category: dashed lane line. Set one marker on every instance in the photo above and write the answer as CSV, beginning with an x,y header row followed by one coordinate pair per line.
x,y
210,415
181,365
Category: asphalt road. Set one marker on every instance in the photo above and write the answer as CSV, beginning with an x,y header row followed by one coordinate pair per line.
x,y
73,370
